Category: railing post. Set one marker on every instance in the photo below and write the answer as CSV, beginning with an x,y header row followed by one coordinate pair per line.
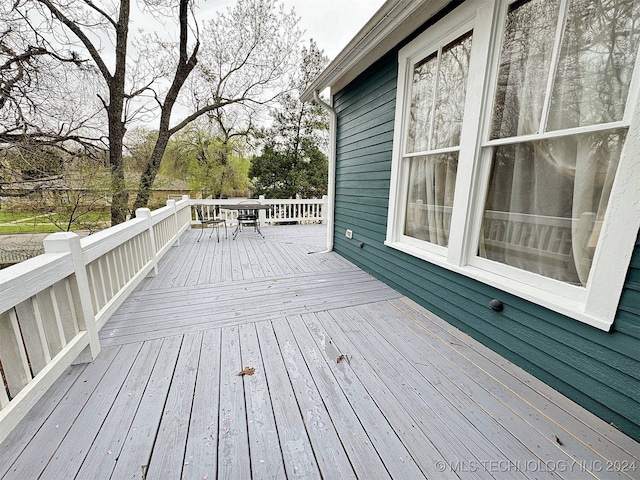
x,y
69,242
172,203
146,213
262,214
184,198
324,206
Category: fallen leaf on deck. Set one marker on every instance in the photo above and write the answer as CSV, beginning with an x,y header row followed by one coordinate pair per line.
x,y
342,357
246,371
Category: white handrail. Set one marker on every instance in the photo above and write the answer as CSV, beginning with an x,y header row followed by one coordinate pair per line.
x,y
53,305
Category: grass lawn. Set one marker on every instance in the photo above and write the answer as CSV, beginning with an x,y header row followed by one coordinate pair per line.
x,y
13,216
21,222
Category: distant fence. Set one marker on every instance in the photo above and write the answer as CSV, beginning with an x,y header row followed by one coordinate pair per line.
x,y
19,253
53,305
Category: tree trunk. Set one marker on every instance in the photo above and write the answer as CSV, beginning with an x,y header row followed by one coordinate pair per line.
x,y
119,193
149,175
185,65
115,110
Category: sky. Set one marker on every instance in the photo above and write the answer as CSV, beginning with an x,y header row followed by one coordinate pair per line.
x,y
333,23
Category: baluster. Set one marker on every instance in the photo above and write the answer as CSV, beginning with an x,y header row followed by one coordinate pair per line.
x,y
13,354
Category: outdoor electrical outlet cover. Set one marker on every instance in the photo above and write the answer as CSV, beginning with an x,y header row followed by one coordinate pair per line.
x,y
348,233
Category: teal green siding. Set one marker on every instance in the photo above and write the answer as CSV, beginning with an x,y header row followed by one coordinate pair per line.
x,y
598,370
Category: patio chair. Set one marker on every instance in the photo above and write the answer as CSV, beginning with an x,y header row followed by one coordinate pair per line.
x,y
216,221
248,217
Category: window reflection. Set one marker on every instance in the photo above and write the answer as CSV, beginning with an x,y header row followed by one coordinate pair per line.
x,y
599,47
438,94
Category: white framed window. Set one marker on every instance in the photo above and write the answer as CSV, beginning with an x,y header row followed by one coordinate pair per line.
x,y
514,161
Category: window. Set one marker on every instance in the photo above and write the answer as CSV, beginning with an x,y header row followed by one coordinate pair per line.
x,y
509,178
433,140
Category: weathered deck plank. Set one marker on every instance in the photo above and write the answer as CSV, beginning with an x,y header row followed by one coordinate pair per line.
x,y
496,421
361,452
167,458
182,310
106,447
266,457
19,439
412,398
31,461
299,458
132,461
453,437
421,447
81,436
233,441
550,414
329,451
201,460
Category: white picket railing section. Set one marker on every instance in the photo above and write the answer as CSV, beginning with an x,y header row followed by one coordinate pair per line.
x,y
53,305
281,211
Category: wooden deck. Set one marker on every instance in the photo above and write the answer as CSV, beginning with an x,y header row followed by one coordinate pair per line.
x,y
351,380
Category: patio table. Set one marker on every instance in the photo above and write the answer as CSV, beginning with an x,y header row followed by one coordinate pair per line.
x,y
254,207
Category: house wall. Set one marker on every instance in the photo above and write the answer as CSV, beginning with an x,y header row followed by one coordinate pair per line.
x,y
598,370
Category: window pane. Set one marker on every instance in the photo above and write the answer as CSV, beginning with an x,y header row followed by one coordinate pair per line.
x,y
446,78
424,79
598,52
452,88
546,202
524,66
432,181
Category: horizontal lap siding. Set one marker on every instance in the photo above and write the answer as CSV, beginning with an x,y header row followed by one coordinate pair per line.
x,y
598,370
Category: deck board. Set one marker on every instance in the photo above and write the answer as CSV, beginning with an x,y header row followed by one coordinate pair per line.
x,y
551,412
361,452
19,439
233,442
87,425
105,448
167,458
329,451
132,461
201,459
266,457
432,413
34,458
412,397
299,458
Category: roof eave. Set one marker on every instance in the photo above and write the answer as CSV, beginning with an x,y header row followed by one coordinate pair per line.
x,y
391,24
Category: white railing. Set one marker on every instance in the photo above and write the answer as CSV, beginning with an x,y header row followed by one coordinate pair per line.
x,y
299,211
281,211
53,305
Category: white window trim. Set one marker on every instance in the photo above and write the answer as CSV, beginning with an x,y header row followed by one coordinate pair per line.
x,y
595,304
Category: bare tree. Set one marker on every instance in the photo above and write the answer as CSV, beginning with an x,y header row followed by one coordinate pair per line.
x,y
34,77
245,53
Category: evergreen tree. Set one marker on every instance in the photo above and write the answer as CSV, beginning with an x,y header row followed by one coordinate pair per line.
x,y
292,162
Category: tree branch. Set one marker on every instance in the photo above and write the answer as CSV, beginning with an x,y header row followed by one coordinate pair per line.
x,y
77,31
